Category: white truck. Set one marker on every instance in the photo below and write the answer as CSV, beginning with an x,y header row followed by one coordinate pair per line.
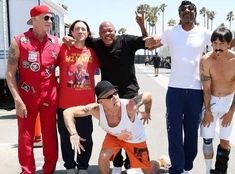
x,y
14,15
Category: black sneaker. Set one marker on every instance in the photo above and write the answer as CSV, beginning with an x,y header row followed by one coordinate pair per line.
x,y
212,171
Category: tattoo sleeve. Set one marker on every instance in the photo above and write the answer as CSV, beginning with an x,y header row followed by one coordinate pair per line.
x,y
12,58
138,100
88,108
207,94
205,77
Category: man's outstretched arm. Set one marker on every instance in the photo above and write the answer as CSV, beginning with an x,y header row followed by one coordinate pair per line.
x,y
79,111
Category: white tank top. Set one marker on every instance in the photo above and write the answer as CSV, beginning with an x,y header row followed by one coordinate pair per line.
x,y
136,128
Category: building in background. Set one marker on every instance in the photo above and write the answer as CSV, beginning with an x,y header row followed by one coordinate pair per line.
x,y
14,15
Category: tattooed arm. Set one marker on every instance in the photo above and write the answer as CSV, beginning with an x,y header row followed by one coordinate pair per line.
x,y
206,83
12,66
145,99
78,111
135,103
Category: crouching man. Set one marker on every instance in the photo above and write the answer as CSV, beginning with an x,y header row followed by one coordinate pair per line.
x,y
120,118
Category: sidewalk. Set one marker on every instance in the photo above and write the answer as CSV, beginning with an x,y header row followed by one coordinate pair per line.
x,y
155,131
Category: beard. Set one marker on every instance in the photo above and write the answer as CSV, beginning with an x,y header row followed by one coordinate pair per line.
x,y
188,19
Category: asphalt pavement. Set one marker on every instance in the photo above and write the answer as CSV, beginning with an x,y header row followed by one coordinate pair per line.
x,y
155,131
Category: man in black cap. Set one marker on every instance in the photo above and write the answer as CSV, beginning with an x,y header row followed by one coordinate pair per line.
x,y
120,118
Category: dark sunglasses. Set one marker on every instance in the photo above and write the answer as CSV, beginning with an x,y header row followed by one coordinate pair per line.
x,y
189,7
46,18
110,96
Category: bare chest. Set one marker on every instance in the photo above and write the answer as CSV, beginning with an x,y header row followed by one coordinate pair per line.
x,y
223,71
113,118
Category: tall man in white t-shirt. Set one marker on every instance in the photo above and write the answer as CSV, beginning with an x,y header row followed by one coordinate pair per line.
x,y
184,97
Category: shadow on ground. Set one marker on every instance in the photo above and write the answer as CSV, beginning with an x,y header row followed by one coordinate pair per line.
x,y
7,117
93,169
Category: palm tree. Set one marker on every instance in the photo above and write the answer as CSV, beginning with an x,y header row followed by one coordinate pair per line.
x,y
162,9
202,12
122,31
153,18
230,18
171,23
207,18
211,17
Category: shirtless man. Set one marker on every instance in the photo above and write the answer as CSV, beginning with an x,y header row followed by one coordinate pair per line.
x,y
120,119
218,80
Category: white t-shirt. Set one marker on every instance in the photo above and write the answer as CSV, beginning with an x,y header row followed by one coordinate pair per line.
x,y
186,48
135,129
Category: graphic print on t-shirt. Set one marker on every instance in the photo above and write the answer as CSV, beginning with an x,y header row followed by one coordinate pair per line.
x,y
78,77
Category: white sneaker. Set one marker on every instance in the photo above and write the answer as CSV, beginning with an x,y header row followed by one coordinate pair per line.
x,y
186,172
71,171
117,170
131,171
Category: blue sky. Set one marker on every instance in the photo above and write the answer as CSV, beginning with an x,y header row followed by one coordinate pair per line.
x,y
121,12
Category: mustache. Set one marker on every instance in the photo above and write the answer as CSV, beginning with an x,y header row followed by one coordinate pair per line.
x,y
219,50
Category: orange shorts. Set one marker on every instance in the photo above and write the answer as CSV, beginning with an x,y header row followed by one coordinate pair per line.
x,y
137,152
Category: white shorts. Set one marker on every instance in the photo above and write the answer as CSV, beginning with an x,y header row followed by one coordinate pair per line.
x,y
219,106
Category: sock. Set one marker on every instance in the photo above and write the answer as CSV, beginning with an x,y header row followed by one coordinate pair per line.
x,y
208,165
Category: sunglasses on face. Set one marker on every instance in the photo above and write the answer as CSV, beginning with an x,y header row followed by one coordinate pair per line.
x,y
110,96
46,18
189,7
